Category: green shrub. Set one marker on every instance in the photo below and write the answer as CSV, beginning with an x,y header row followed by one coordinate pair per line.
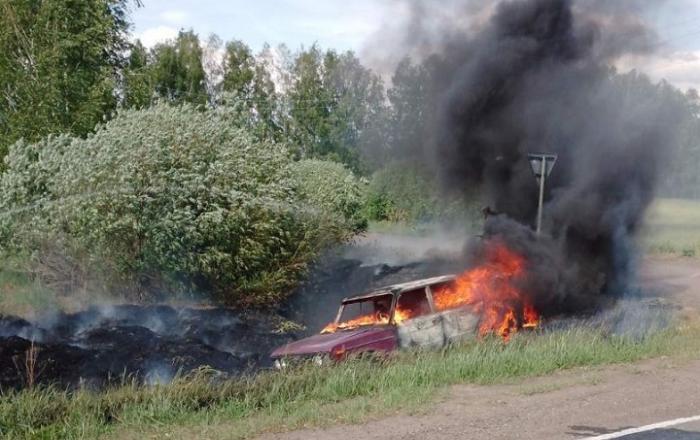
x,y
407,193
379,206
171,199
332,188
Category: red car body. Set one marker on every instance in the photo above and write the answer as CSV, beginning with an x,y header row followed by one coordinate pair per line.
x,y
339,344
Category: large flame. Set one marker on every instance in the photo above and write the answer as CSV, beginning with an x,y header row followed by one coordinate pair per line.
x,y
489,290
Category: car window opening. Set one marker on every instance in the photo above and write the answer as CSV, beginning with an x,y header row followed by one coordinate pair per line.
x,y
412,304
369,311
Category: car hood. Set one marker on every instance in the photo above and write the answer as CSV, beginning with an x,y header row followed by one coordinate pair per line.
x,y
324,343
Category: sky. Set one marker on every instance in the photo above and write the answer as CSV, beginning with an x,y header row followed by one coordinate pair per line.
x,y
339,24
355,25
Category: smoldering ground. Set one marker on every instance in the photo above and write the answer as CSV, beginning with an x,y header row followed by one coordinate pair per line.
x,y
538,76
112,344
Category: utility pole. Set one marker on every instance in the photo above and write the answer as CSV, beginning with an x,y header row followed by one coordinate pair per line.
x,y
542,165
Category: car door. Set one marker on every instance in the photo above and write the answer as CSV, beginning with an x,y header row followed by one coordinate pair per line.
x,y
417,324
458,324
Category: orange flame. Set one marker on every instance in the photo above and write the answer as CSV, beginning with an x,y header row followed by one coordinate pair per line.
x,y
364,320
489,290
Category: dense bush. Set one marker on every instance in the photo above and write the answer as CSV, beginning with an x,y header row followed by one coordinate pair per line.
x,y
331,188
172,198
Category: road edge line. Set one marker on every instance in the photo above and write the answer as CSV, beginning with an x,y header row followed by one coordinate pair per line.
x,y
645,428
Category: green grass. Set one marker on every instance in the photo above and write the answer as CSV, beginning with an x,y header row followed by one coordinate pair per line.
x,y
347,393
673,228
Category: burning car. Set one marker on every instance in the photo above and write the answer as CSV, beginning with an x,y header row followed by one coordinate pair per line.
x,y
395,316
425,313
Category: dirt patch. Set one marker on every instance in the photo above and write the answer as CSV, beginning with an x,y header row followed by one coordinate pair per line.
x,y
566,405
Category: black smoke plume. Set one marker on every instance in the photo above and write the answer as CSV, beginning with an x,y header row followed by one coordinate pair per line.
x,y
537,77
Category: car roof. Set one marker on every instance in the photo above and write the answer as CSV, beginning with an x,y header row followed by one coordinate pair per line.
x,y
401,287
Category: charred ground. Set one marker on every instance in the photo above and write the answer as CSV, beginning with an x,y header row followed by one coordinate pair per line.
x,y
120,343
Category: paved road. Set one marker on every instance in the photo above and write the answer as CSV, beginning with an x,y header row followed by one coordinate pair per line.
x,y
677,429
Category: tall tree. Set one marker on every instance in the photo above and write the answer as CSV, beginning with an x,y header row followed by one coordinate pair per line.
x,y
334,103
248,82
59,64
138,87
310,105
178,73
239,70
213,68
409,97
357,119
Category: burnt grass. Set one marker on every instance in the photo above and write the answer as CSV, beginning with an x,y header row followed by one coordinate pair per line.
x,y
150,344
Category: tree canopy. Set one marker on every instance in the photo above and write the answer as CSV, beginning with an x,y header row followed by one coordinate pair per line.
x,y
59,65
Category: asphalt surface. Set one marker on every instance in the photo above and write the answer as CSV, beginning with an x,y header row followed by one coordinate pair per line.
x,y
673,429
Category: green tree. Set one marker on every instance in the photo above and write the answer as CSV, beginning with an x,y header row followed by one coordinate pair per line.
x,y
59,64
178,73
138,78
357,120
247,82
410,98
311,105
335,104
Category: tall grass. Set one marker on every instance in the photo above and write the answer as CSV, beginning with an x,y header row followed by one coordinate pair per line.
x,y
310,396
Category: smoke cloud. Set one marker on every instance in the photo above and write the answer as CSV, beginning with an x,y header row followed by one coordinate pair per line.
x,y
536,76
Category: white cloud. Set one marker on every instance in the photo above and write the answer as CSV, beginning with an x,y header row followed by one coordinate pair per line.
x,y
174,16
680,68
159,34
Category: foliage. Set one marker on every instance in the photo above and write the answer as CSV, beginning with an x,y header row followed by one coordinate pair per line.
x,y
177,70
406,192
172,198
172,71
59,62
680,178
310,396
330,187
139,88
410,103
334,103
248,81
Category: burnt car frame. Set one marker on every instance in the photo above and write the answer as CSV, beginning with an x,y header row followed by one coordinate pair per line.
x,y
389,328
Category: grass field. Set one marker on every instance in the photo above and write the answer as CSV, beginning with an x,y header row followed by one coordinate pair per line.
x,y
673,227
311,396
